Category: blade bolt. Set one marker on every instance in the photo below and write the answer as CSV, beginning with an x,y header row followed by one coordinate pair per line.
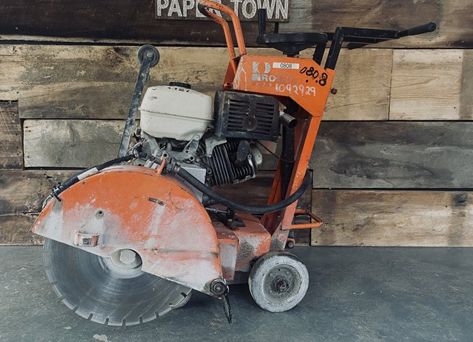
x,y
218,288
127,256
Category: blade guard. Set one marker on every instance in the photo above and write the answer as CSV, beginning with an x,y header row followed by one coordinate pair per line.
x,y
132,207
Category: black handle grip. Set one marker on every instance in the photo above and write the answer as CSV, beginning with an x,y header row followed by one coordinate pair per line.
x,y
261,21
429,27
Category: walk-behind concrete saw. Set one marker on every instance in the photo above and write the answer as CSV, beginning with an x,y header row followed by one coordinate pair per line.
x,y
128,240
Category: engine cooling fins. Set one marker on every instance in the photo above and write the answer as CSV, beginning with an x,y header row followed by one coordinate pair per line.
x,y
94,289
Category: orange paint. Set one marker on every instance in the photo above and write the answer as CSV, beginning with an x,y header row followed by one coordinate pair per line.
x,y
300,79
136,208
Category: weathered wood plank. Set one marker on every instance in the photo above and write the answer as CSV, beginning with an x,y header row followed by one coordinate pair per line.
x,y
16,230
394,218
96,81
135,21
411,155
23,192
363,84
347,154
432,85
70,143
85,82
11,155
21,196
97,20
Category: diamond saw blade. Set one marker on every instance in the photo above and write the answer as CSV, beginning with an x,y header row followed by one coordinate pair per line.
x,y
111,291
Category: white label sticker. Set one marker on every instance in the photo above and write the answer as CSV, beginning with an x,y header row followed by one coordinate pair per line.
x,y
288,66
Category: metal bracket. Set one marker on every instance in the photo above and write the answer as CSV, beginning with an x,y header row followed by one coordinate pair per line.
x,y
148,57
82,239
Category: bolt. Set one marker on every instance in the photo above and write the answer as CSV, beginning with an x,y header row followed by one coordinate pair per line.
x,y
218,287
281,285
290,244
127,256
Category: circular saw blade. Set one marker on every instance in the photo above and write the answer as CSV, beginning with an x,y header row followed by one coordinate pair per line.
x,y
94,291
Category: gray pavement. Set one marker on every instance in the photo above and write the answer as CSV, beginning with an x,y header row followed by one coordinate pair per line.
x,y
356,294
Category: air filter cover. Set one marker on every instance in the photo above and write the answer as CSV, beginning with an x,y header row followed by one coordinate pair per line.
x,y
246,116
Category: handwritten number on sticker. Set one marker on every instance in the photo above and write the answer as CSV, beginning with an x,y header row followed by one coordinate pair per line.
x,y
314,74
323,79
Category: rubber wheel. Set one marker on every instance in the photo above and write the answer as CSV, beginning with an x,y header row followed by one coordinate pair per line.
x,y
278,281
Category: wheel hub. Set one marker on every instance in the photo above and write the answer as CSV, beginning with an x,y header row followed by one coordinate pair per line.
x,y
124,263
281,285
281,281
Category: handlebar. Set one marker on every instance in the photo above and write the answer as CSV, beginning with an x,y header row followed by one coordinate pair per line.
x,y
205,5
363,36
359,36
429,27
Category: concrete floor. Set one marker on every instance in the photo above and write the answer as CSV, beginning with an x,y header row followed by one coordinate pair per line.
x,y
356,294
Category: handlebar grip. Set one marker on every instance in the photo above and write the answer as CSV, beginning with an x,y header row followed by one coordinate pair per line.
x,y
429,27
261,21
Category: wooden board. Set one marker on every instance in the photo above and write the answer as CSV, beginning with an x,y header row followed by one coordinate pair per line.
x,y
432,85
96,82
70,143
21,196
11,155
23,192
134,21
347,154
363,85
402,155
16,230
394,218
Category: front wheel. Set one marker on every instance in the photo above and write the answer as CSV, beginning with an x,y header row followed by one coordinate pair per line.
x,y
278,281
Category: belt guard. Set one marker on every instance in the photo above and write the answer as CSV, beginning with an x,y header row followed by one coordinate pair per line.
x,y
133,207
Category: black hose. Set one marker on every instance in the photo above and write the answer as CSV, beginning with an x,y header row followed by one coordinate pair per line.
x,y
254,209
57,190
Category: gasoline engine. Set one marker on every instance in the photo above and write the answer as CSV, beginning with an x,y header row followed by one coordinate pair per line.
x,y
218,143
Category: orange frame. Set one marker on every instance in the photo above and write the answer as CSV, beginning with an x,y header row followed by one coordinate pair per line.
x,y
301,80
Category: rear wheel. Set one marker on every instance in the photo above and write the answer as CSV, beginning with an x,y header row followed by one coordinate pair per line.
x,y
113,291
278,281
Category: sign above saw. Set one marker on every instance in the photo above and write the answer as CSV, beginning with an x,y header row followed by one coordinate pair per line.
x,y
276,10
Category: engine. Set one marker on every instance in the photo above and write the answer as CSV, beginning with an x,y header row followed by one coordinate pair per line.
x,y
216,141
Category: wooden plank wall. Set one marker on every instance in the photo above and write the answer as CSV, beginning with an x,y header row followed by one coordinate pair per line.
x,y
393,160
